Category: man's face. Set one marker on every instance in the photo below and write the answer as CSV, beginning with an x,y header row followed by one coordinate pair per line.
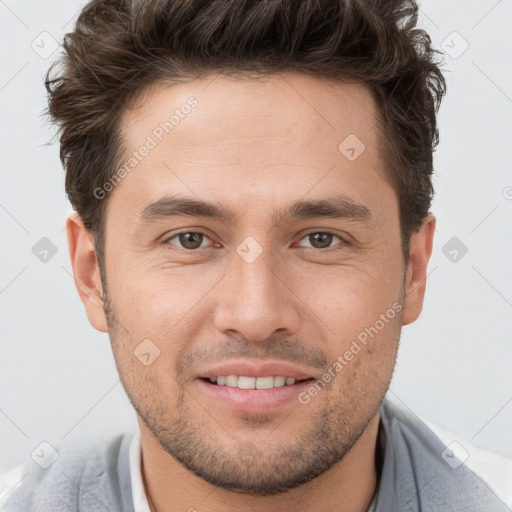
x,y
257,288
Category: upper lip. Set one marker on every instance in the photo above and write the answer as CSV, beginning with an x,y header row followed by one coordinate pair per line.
x,y
254,370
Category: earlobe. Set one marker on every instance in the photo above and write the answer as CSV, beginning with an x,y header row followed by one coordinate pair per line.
x,y
416,274
86,271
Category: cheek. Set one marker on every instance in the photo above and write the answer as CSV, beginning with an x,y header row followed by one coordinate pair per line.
x,y
148,295
359,311
161,305
349,299
363,359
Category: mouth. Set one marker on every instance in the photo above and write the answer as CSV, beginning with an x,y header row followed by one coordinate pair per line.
x,y
248,382
253,394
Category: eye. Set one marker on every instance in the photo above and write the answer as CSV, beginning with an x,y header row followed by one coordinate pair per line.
x,y
193,240
189,240
322,239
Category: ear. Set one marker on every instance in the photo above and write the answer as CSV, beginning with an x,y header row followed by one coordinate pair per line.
x,y
416,273
86,271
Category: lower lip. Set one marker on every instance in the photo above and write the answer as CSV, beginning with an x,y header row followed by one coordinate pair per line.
x,y
255,400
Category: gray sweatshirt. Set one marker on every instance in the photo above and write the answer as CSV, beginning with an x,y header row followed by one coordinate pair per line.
x,y
416,475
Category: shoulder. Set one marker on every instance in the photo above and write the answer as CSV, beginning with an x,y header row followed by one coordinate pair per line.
x,y
85,468
494,469
439,466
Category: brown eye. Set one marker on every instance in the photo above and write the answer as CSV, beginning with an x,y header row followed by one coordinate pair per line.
x,y
321,239
189,240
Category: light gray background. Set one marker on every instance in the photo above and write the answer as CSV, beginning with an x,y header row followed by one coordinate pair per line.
x,y
58,380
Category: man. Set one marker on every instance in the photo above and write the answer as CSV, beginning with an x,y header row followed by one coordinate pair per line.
x,y
252,182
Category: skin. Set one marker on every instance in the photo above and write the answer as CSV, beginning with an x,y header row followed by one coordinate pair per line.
x,y
257,146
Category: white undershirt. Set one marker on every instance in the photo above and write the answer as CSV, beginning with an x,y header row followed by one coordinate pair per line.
x,y
140,502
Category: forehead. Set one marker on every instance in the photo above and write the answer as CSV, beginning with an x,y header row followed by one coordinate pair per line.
x,y
299,105
281,137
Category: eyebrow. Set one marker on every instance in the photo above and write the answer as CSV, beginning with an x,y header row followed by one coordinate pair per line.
x,y
338,207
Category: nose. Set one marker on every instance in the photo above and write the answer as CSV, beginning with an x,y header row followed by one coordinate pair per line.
x,y
256,299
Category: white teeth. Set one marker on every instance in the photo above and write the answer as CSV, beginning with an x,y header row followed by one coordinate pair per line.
x,y
265,382
279,381
232,381
245,382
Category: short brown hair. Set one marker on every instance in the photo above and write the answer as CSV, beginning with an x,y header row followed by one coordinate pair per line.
x,y
119,47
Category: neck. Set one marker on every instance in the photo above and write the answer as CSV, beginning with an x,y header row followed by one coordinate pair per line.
x,y
348,486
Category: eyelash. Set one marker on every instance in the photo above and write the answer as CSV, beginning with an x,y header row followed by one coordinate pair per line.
x,y
344,241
